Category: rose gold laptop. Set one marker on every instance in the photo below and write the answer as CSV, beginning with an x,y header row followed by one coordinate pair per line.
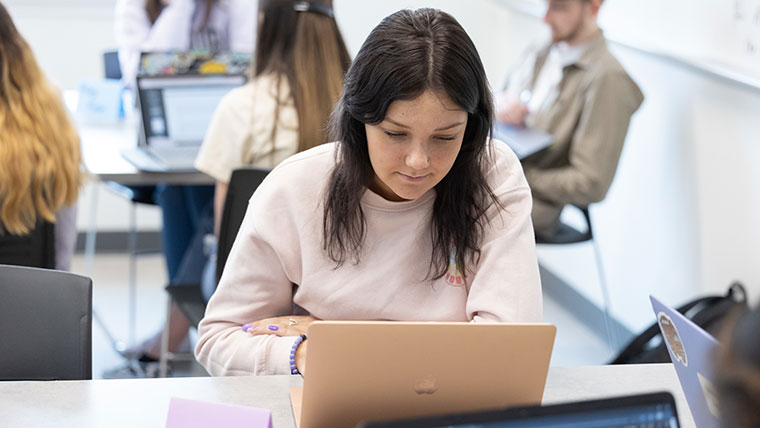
x,y
365,371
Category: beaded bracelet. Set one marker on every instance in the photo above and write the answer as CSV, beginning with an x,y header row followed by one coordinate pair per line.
x,y
299,340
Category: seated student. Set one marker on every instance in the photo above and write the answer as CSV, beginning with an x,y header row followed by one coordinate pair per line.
x,y
300,60
299,64
738,376
40,162
186,210
411,215
575,90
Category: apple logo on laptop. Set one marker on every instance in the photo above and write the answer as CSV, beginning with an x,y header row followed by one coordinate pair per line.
x,y
425,385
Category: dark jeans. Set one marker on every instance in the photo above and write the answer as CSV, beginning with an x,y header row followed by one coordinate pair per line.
x,y
188,214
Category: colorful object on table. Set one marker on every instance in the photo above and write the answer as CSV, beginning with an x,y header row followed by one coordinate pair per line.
x,y
184,413
273,327
212,67
298,342
247,326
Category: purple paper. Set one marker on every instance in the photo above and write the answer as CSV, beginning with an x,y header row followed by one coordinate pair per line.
x,y
184,413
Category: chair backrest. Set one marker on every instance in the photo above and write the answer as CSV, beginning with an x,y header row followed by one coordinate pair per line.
x,y
243,183
45,324
35,249
111,66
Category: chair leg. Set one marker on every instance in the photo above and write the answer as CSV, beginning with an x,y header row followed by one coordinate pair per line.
x,y
164,358
132,244
612,335
89,257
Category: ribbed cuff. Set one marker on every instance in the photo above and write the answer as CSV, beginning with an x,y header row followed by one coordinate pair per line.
x,y
279,355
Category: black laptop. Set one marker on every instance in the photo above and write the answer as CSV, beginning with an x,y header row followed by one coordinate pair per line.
x,y
656,410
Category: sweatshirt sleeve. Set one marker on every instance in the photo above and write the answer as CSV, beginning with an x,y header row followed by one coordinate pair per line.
x,y
254,286
505,285
596,144
131,29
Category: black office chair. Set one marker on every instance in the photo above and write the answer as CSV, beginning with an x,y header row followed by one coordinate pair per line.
x,y
45,324
35,249
566,234
111,65
189,297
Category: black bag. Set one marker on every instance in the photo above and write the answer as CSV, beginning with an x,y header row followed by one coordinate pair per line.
x,y
707,312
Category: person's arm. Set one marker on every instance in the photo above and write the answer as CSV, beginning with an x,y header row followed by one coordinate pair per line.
x,y
131,29
254,286
505,285
220,194
172,28
596,146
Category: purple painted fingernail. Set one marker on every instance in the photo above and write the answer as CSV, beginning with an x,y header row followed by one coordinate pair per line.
x,y
246,326
273,327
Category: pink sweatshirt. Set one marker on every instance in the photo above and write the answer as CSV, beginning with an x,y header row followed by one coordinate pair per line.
x,y
280,244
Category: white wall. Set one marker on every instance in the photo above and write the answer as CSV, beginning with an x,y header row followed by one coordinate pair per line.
x,y
681,218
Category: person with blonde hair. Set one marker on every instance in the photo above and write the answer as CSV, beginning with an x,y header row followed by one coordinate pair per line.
x,y
40,160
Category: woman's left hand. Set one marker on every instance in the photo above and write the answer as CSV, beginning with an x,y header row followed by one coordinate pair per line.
x,y
289,325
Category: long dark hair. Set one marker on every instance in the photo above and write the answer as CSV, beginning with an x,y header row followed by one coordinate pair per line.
x,y
407,53
301,41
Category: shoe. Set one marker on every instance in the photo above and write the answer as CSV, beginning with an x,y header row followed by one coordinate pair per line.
x,y
136,369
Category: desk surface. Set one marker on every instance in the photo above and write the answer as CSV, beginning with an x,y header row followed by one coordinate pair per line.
x,y
101,153
144,402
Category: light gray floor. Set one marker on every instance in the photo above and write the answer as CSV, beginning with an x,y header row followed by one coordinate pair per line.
x,y
575,343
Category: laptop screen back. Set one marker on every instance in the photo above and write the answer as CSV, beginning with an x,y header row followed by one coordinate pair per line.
x,y
646,410
176,110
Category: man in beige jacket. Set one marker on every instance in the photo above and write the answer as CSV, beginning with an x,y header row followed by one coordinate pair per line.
x,y
575,90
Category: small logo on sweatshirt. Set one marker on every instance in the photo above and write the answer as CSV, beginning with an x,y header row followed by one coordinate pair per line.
x,y
454,275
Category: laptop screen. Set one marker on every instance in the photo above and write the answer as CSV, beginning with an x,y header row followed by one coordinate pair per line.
x,y
176,110
647,410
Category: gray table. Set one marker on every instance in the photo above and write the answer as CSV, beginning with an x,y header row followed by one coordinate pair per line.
x,y
144,402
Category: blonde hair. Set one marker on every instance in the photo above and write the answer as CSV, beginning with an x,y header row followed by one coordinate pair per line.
x,y
40,160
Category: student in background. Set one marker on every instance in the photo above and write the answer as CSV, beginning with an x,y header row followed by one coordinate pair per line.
x,y
299,65
412,215
40,161
738,376
164,25
575,90
187,211
300,60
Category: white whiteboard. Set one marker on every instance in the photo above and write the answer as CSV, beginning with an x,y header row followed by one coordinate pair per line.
x,y
719,36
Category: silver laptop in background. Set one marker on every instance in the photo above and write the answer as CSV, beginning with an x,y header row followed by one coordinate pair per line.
x,y
175,112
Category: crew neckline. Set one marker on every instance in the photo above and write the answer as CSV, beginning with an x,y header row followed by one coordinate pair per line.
x,y
373,200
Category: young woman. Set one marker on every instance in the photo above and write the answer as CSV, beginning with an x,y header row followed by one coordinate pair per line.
x,y
162,25
299,65
40,162
411,215
300,61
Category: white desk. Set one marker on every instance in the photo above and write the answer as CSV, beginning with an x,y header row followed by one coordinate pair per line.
x,y
144,402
